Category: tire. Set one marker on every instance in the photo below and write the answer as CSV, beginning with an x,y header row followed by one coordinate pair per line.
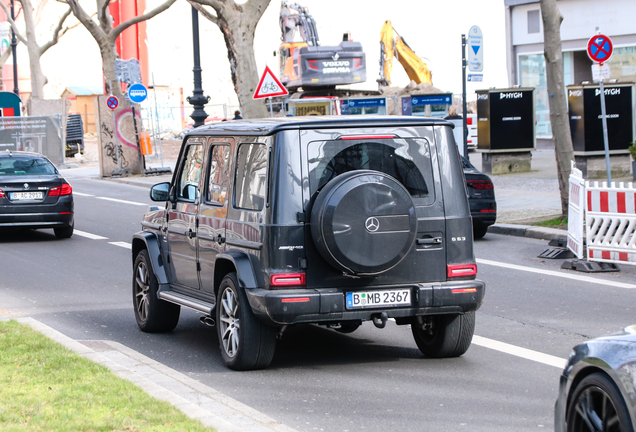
x,y
153,315
245,343
65,232
363,222
596,402
441,336
348,326
479,232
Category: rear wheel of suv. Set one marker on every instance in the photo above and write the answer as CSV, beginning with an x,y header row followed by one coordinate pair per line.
x,y
245,342
443,335
153,315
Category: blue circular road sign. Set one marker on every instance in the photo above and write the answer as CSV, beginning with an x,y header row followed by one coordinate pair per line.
x,y
137,93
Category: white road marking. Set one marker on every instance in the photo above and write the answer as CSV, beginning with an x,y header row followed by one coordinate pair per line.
x,y
563,274
121,201
89,235
82,194
525,353
122,244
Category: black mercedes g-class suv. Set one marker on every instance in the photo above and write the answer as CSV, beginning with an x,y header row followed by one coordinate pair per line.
x,y
327,220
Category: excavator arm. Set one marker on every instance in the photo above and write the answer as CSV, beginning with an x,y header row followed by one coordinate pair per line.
x,y
392,45
301,19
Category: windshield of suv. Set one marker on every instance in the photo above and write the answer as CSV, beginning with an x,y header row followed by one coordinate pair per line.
x,y
10,166
406,160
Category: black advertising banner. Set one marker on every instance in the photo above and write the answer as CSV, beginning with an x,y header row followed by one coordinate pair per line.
x,y
512,119
33,134
585,117
483,119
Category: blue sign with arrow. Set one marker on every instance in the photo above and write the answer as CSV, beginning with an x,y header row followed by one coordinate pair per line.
x,y
475,49
137,93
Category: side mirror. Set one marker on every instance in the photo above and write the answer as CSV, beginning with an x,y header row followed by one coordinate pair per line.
x,y
160,192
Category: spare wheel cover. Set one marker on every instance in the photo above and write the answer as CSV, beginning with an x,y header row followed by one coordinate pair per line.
x,y
363,222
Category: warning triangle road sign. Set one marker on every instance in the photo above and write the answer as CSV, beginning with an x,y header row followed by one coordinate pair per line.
x,y
269,86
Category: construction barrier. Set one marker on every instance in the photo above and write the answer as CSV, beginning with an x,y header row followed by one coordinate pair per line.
x,y
610,216
576,210
605,216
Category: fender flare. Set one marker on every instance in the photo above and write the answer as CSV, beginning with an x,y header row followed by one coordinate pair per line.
x,y
150,242
243,265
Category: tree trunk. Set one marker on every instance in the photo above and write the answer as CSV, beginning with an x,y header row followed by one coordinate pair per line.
x,y
559,117
37,77
238,31
107,50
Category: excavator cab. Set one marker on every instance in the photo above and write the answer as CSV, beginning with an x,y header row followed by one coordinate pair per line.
x,y
308,64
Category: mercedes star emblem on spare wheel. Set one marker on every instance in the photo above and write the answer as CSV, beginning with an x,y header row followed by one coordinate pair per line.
x,y
372,224
26,185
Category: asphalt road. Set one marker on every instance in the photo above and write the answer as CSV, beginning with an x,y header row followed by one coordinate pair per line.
x,y
370,380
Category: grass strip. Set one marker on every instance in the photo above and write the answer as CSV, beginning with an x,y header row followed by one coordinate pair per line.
x,y
46,387
557,222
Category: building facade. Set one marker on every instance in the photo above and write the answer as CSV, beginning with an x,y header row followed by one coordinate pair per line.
x,y
581,19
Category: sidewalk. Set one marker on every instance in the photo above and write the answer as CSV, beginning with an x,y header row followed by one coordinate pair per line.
x,y
196,400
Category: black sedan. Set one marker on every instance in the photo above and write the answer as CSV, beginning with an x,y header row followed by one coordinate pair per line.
x,y
598,386
33,194
481,198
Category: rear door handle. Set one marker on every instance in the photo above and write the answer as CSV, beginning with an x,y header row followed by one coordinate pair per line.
x,y
429,241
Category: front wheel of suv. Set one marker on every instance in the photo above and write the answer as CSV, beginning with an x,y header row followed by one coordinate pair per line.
x,y
153,315
442,336
245,343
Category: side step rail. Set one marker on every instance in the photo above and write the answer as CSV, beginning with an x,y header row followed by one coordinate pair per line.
x,y
189,302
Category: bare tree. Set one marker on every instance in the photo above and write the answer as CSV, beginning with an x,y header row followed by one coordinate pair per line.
x,y
559,117
31,17
238,24
105,35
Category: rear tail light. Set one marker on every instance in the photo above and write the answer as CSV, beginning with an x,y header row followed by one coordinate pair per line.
x,y
63,190
2,194
480,184
312,64
461,270
287,279
356,62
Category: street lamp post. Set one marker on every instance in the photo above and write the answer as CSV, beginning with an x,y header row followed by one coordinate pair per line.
x,y
197,100
14,44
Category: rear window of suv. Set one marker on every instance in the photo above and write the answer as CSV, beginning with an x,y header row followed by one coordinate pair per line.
x,y
407,160
10,166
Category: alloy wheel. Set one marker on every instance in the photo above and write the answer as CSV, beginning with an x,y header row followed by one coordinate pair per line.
x,y
229,322
595,412
142,291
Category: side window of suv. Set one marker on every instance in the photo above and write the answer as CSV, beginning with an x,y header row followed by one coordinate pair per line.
x,y
219,174
250,185
188,183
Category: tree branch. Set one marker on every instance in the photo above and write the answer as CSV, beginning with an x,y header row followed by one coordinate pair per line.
x,y
57,32
123,26
86,20
217,5
259,7
13,24
206,14
101,10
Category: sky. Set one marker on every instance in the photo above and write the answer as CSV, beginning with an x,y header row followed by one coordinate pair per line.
x,y
432,29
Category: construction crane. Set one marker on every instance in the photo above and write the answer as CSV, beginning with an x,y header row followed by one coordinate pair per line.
x,y
307,63
393,45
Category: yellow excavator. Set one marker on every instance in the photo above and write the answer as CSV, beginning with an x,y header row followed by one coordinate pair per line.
x,y
393,45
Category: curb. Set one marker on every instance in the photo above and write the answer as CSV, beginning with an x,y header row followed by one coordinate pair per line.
x,y
194,399
530,231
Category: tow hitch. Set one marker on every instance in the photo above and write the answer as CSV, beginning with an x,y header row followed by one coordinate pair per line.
x,y
379,320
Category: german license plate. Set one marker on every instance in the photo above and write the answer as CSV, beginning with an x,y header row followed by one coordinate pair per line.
x,y
27,195
372,299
